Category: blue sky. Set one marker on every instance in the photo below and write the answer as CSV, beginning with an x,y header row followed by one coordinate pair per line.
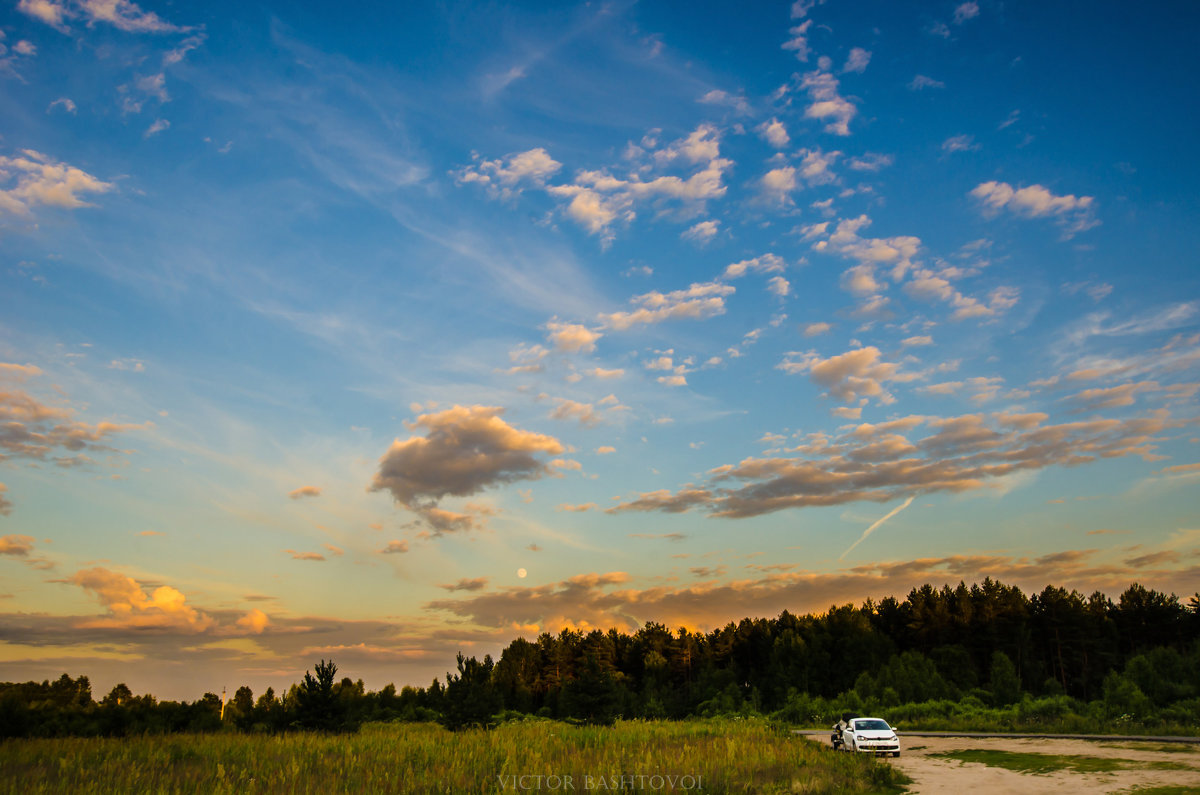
x,y
380,336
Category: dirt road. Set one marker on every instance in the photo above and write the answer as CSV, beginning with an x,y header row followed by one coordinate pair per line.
x,y
1142,763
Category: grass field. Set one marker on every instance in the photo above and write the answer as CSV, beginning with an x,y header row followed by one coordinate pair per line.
x,y
719,756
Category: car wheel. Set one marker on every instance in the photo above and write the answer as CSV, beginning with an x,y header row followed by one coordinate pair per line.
x,y
896,754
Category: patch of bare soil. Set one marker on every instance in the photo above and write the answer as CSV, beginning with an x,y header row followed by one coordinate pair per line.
x,y
932,775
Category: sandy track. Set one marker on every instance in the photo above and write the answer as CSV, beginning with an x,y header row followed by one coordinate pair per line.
x,y
935,775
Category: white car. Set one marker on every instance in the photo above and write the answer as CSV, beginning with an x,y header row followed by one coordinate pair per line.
x,y
870,735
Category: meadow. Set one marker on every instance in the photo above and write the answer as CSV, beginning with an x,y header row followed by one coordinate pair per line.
x,y
710,756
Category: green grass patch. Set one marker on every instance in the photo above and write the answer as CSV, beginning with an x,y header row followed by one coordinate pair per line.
x,y
1050,763
1164,790
719,756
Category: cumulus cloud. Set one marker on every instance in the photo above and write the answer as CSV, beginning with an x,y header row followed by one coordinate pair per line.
x,y
31,429
966,11
880,463
778,183
1074,214
18,546
700,301
597,199
775,133
313,556
815,329
583,413
849,376
465,450
394,548
581,508
572,337
871,161
52,13
719,97
701,232
766,263
845,240
826,103
305,491
121,14
857,60
254,622
129,606
5,503
507,176
41,180
798,43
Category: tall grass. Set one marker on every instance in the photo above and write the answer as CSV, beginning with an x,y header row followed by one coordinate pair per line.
x,y
719,756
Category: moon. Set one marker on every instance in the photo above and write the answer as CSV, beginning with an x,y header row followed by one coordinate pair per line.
x,y
521,573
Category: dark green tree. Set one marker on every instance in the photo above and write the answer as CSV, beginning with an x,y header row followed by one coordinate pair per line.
x,y
471,698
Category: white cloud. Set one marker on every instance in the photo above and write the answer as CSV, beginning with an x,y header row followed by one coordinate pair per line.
x,y
778,183
44,181
857,61
827,103
52,13
775,133
700,301
1074,214
856,374
702,232
798,43
572,337
815,167
718,97
63,102
968,10
959,143
845,241
158,126
779,286
800,8
505,176
121,14
870,162
766,263
125,16
815,329
921,82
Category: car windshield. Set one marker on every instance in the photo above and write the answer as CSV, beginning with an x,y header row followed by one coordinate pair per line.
x,y
871,725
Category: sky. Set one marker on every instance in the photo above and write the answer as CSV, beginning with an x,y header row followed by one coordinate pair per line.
x,y
376,334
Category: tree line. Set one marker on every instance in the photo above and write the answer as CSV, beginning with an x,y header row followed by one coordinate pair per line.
x,y
1134,659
